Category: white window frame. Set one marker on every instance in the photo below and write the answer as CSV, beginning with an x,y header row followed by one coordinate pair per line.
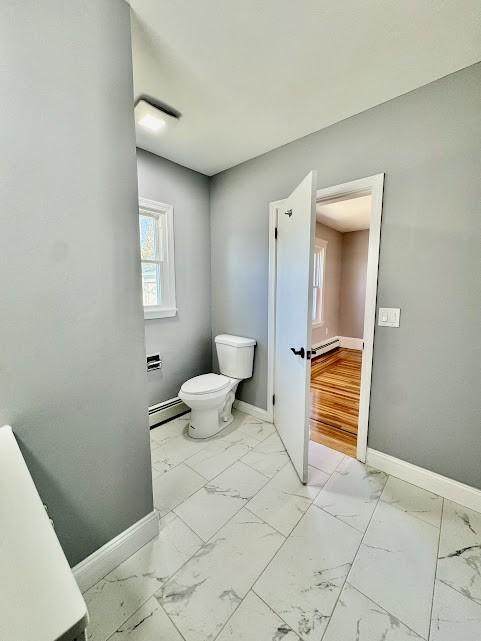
x,y
166,241
321,244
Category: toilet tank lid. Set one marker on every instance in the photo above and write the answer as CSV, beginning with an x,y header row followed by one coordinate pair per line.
x,y
235,341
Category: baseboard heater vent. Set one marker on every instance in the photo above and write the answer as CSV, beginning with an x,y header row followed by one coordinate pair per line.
x,y
326,346
165,411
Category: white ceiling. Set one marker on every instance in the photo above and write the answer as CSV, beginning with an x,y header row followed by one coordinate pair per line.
x,y
250,76
349,214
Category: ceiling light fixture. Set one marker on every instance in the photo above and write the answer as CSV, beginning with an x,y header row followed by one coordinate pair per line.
x,y
151,118
151,122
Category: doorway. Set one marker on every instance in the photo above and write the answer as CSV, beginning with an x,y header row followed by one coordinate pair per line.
x,y
350,358
339,293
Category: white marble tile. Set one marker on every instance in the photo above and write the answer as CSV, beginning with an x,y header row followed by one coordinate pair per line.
x,y
352,493
303,581
268,457
173,487
358,618
173,445
149,623
241,438
259,430
459,563
169,429
210,586
413,500
111,601
213,505
323,457
396,564
455,617
284,499
255,621
217,456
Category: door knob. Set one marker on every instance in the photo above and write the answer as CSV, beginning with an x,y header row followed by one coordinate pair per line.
x,y
298,352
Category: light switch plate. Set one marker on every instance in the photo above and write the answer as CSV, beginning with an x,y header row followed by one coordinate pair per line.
x,y
388,316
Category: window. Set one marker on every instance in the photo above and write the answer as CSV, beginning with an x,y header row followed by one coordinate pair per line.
x,y
320,249
156,222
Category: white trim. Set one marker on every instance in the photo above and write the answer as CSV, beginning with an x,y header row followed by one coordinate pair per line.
x,y
319,243
252,410
351,343
370,185
431,481
156,311
168,273
89,571
166,410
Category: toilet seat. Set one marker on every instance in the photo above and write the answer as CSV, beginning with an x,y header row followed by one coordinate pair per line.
x,y
205,384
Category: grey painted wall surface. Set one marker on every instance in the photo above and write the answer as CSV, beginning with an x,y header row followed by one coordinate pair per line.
x,y
332,283
425,405
352,293
184,341
72,372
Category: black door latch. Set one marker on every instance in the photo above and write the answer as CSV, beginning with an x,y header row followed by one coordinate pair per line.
x,y
298,352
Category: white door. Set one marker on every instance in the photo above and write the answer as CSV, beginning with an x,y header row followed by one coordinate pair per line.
x,y
296,217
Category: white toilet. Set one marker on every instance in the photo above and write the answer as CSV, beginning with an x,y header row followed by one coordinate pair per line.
x,y
210,396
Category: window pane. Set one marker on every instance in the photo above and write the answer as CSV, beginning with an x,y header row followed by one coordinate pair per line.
x,y
151,284
148,238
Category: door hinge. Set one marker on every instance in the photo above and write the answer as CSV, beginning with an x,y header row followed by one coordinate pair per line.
x,y
275,233
273,399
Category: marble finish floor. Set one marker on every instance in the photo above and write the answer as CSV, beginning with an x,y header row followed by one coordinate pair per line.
x,y
246,552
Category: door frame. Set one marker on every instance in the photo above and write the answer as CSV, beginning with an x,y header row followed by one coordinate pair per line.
x,y
373,185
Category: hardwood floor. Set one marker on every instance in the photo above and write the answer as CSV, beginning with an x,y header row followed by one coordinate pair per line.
x,y
335,386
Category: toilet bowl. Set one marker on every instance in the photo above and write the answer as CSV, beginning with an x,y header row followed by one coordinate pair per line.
x,y
210,396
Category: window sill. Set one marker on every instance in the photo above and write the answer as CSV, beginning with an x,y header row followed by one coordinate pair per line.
x,y
159,312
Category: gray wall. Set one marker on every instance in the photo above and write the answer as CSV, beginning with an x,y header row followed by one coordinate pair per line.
x,y
352,292
72,372
426,377
184,341
332,283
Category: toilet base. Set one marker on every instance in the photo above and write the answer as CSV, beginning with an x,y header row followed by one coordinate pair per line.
x,y
208,421
204,427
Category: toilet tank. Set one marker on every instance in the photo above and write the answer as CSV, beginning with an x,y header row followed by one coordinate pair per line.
x,y
236,355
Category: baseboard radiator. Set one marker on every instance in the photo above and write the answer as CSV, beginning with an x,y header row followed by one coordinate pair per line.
x,y
166,410
325,346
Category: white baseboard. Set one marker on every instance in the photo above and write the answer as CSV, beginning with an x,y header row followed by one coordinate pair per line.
x,y
89,571
252,410
166,410
442,485
351,343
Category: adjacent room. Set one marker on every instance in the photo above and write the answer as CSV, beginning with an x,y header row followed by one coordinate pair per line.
x,y
339,282
240,332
